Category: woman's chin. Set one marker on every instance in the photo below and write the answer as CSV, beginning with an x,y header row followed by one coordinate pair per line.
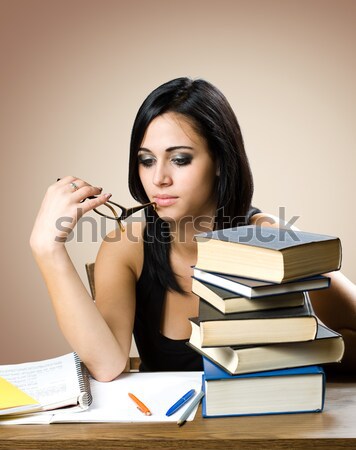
x,y
167,218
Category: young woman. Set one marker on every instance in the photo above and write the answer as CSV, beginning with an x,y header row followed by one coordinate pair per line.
x,y
187,155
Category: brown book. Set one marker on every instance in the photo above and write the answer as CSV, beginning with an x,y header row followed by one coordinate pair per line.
x,y
327,347
227,302
265,253
257,327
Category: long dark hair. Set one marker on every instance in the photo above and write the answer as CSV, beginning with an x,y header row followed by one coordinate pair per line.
x,y
209,112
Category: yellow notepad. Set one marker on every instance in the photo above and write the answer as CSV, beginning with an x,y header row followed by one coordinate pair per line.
x,y
13,397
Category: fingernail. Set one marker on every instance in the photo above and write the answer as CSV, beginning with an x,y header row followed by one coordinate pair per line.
x,y
100,189
108,195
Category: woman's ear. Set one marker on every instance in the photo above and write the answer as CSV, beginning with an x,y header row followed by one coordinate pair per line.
x,y
217,173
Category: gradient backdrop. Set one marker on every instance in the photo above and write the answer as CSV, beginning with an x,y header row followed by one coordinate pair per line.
x,y
74,72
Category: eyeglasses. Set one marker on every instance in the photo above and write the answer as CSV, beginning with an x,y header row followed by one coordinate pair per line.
x,y
119,212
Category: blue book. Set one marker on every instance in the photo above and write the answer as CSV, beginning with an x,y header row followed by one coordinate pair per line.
x,y
296,390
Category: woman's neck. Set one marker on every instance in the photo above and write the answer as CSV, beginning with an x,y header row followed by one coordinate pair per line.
x,y
183,234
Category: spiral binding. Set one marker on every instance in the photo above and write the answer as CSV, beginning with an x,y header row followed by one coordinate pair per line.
x,y
84,383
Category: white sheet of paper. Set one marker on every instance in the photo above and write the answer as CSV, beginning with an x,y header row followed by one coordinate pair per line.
x,y
157,390
111,403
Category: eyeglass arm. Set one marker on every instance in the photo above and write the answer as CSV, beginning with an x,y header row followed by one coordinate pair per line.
x,y
127,212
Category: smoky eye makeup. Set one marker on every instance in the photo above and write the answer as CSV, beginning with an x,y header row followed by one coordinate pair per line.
x,y
177,159
181,159
145,159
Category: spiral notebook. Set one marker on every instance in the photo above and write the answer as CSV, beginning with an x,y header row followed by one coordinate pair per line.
x,y
54,383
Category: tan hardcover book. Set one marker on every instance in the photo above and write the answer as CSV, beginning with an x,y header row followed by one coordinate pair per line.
x,y
327,347
265,253
256,327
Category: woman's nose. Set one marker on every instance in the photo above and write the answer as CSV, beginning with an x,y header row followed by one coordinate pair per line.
x,y
162,175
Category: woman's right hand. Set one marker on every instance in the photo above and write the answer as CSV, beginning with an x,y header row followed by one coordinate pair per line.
x,y
63,205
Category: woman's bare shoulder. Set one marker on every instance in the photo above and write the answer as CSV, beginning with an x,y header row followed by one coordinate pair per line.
x,y
265,220
269,220
124,249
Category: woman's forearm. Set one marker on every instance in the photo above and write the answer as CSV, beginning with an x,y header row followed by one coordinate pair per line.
x,y
336,307
79,319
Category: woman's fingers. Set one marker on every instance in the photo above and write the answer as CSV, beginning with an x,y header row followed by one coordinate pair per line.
x,y
80,188
64,203
63,181
88,196
91,203
84,191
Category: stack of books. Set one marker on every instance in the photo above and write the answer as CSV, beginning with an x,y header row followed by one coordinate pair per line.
x,y
260,338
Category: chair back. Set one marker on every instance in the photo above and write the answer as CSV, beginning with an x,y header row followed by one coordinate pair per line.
x,y
89,267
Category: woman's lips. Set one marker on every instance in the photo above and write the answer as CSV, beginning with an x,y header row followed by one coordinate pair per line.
x,y
164,200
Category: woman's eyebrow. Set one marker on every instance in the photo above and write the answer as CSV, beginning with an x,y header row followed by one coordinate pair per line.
x,y
169,149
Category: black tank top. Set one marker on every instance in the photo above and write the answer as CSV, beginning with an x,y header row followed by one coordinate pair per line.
x,y
158,352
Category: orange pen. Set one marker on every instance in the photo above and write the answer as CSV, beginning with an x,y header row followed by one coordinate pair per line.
x,y
141,406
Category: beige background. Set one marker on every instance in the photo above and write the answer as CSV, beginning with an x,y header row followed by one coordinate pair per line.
x,y
73,74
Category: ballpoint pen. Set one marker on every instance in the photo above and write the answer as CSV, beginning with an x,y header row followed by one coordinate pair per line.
x,y
180,402
183,418
141,406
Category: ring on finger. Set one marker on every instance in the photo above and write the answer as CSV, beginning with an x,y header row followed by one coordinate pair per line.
x,y
74,186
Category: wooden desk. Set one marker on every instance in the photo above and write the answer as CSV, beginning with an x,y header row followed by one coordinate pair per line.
x,y
333,429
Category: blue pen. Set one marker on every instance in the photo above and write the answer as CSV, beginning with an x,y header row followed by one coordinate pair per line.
x,y
182,401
